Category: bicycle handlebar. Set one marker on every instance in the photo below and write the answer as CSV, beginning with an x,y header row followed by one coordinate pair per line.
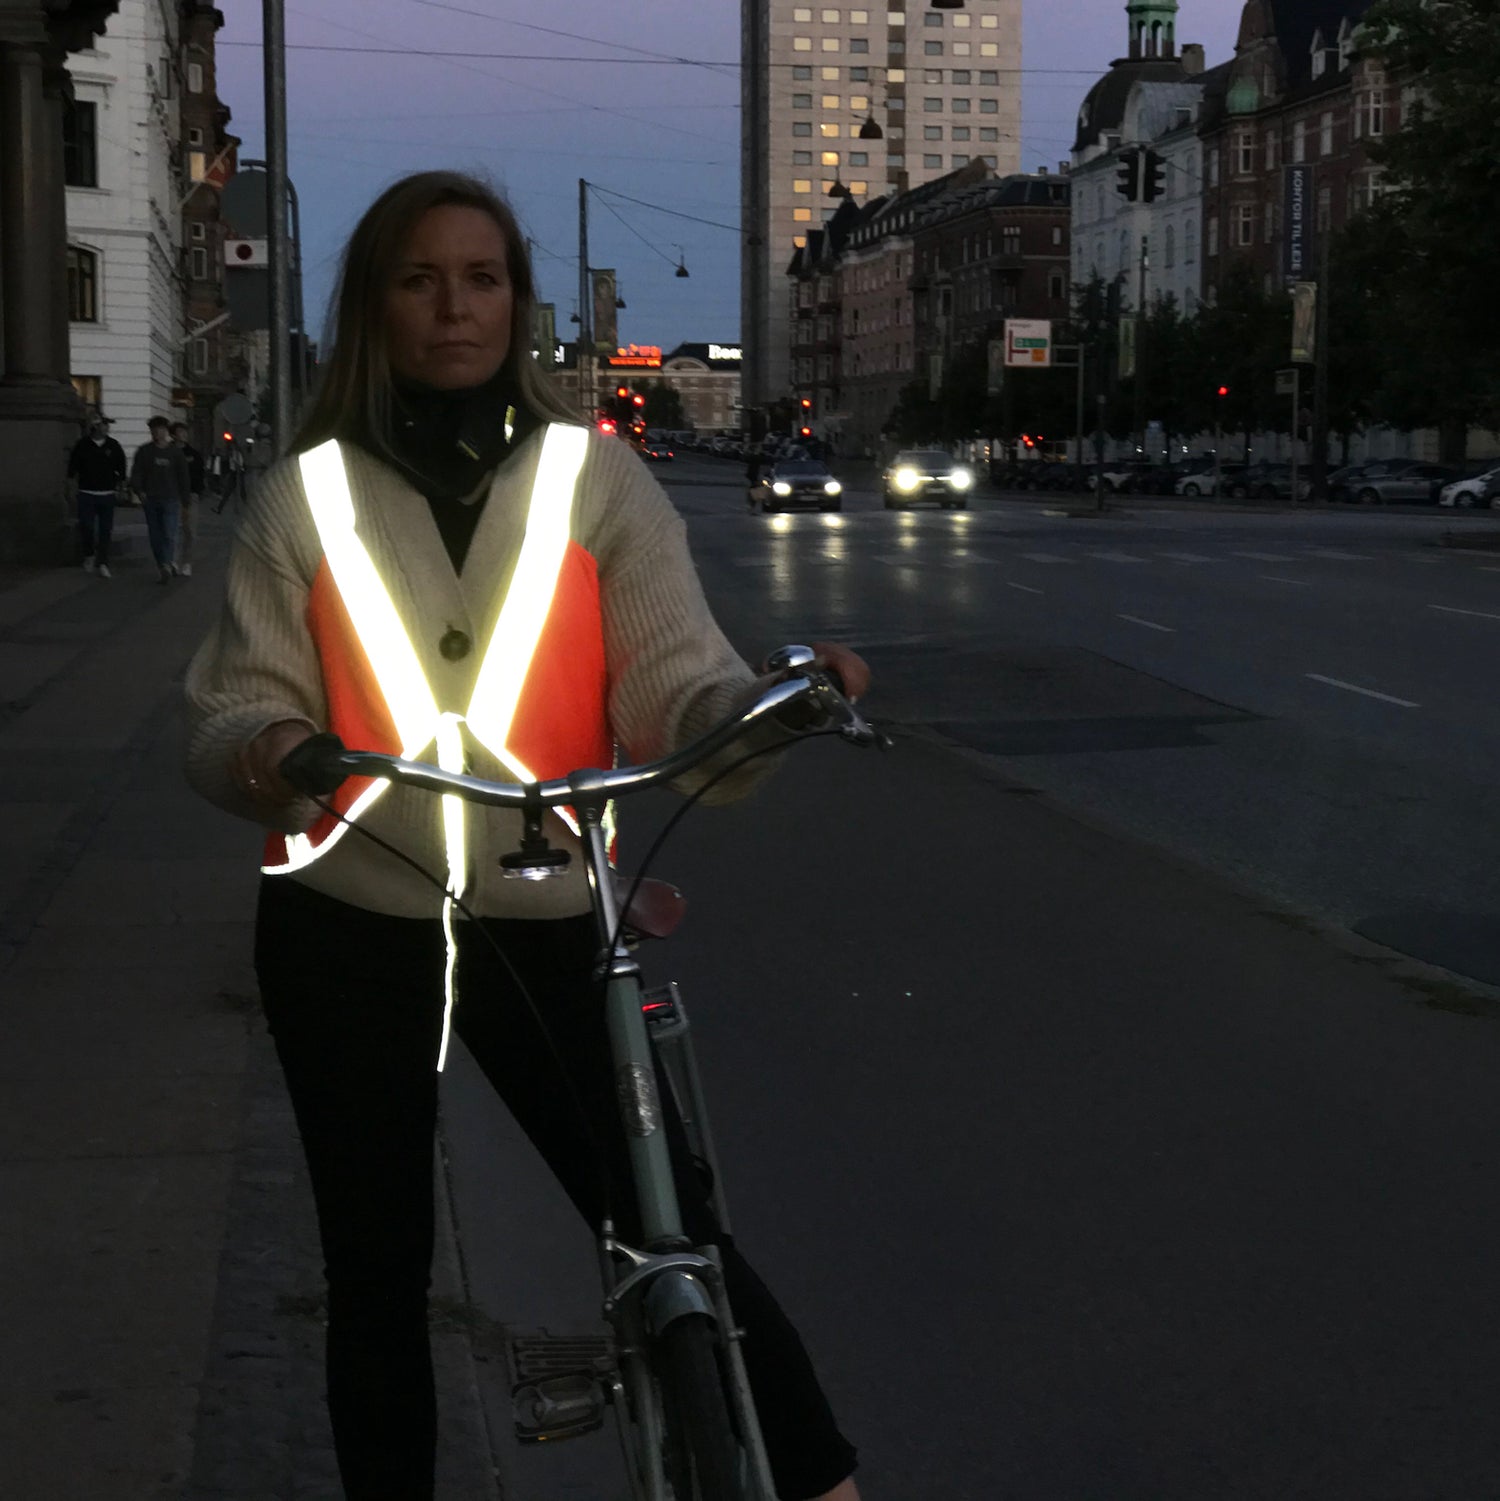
x,y
322,762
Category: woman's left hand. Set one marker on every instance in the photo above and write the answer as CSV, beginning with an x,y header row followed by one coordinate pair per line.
x,y
849,665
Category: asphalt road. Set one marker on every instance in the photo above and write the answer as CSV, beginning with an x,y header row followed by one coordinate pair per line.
x,y
1087,1168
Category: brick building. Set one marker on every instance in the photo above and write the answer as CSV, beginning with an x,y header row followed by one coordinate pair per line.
x,y
1294,94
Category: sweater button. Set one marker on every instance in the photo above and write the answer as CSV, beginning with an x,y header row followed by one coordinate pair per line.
x,y
455,645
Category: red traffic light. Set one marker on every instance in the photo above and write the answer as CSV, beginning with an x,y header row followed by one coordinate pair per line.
x,y
229,437
606,427
640,401
622,390
806,432
1223,390
806,404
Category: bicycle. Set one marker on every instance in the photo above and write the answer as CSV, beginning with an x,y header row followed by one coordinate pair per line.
x,y
676,1379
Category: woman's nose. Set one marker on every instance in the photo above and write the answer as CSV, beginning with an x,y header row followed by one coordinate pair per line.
x,y
452,301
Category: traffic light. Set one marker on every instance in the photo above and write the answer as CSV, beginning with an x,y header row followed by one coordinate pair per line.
x,y
607,426
1153,177
806,405
804,432
1223,391
1128,179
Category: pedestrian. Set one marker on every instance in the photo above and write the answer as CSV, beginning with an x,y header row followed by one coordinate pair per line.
x,y
448,443
97,467
189,529
754,461
159,480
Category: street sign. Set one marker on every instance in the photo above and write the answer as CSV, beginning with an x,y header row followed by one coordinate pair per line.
x,y
1028,342
1304,322
249,253
245,203
1297,222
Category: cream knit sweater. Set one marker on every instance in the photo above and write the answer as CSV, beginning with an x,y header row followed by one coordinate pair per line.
x,y
672,674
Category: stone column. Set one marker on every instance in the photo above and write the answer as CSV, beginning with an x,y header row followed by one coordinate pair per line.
x,y
55,86
39,412
28,255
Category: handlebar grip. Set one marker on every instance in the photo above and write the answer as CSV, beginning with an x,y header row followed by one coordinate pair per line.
x,y
313,766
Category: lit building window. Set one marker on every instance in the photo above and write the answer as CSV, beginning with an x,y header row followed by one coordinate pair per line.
x,y
830,18
988,49
960,49
802,13
802,184
830,101
828,128
829,75
989,23
802,215
801,44
830,44
830,158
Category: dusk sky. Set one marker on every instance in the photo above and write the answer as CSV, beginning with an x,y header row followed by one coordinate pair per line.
x,y
536,97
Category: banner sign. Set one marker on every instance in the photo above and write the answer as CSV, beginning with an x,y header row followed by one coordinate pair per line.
x,y
1297,223
1028,341
1304,322
606,332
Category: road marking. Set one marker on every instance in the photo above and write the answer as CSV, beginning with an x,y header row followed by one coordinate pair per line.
x,y
1187,557
1266,557
1149,624
1026,588
1333,552
1117,557
1454,610
1044,557
1405,703
1276,578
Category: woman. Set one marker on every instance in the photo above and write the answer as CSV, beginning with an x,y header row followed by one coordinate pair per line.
x,y
364,586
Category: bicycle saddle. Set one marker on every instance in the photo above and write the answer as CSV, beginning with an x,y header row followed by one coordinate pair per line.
x,y
655,911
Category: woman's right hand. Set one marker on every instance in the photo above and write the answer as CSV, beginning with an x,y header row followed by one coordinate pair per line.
x,y
254,767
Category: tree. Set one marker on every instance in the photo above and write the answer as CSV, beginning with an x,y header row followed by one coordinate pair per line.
x,y
1431,235
663,405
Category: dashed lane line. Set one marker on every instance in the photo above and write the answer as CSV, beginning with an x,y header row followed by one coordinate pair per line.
x,y
1454,610
1187,557
1388,698
1343,557
1266,557
1116,557
1024,588
1045,557
1277,578
1149,624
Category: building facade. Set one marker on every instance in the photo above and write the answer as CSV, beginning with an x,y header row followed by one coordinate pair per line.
x,y
1295,94
125,188
39,410
707,379
870,99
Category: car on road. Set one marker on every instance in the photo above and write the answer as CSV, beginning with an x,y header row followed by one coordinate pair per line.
x,y
796,484
657,450
1472,490
926,474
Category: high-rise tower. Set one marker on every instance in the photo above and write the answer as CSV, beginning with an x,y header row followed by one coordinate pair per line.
x,y
864,100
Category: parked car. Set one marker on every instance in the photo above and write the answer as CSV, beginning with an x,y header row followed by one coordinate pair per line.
x,y
1267,482
1414,484
790,484
1195,481
1343,483
1123,476
1470,491
926,474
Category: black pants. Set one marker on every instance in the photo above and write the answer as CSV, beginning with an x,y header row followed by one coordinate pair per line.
x,y
354,1002
96,523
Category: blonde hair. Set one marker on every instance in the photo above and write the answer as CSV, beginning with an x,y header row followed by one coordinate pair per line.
x,y
353,396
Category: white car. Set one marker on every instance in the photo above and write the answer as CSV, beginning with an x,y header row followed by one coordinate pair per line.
x,y
1470,491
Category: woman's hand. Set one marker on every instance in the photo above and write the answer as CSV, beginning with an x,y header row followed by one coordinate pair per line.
x,y
849,665
254,766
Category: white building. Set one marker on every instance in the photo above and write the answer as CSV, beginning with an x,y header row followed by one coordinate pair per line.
x,y
124,192
1150,98
942,86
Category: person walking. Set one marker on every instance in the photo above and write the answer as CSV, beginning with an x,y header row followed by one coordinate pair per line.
x,y
97,467
159,479
189,529
432,451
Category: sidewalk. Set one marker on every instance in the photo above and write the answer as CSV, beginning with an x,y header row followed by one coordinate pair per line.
x,y
160,1285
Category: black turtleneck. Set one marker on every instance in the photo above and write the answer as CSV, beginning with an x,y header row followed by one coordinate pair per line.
x,y
448,444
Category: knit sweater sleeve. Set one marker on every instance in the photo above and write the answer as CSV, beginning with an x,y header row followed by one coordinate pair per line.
x,y
258,664
673,674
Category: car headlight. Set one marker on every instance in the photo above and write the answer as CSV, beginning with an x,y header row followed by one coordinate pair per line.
x,y
781,487
961,478
832,487
906,478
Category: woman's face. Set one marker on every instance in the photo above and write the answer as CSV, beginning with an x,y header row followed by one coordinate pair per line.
x,y
448,306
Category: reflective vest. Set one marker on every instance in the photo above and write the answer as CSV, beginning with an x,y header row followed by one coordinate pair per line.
x,y
539,701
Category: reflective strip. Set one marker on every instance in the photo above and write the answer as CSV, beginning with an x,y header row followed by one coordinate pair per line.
x,y
301,851
376,621
497,690
450,749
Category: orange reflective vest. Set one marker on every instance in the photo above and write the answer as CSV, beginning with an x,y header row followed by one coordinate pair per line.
x,y
539,699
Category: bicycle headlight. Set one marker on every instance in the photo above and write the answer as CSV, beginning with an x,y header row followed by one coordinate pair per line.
x,y
961,478
832,487
906,478
781,487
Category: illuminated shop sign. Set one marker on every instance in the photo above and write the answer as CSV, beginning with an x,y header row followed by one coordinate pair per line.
x,y
635,356
725,352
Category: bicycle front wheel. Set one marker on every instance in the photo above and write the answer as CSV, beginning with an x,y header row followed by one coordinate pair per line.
x,y
702,1452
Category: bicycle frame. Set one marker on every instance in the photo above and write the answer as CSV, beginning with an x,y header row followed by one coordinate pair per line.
x,y
647,1287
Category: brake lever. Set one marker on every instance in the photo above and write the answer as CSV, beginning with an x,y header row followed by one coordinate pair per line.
x,y
312,766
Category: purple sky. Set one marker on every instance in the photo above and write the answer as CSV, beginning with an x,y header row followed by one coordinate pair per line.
x,y
666,134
